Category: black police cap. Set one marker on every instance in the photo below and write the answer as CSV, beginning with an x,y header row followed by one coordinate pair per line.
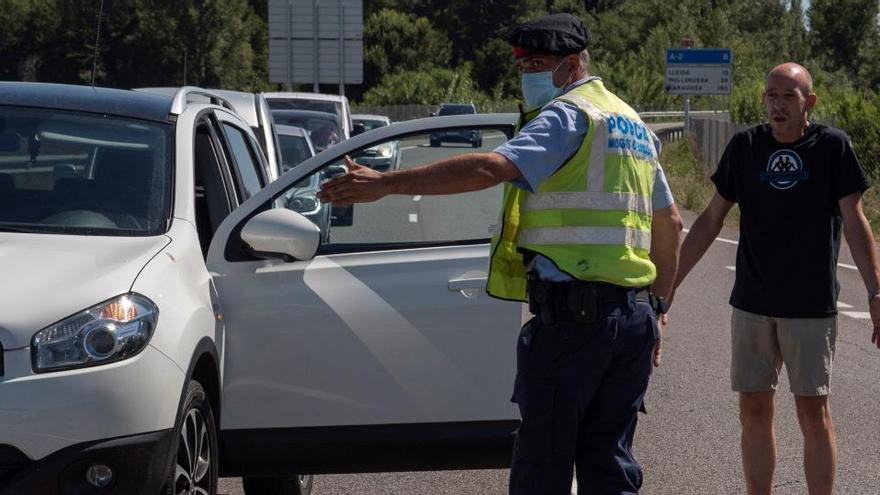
x,y
556,34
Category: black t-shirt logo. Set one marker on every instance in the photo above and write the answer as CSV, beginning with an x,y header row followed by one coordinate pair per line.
x,y
784,170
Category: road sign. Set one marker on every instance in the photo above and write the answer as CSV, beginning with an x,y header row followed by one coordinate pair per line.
x,y
316,41
698,71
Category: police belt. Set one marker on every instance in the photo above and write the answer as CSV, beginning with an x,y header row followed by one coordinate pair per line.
x,y
577,300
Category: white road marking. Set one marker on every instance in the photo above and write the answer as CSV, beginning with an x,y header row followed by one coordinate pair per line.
x,y
574,487
843,305
407,148
413,218
731,268
417,197
859,315
730,241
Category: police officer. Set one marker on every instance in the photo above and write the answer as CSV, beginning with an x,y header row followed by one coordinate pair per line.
x,y
588,226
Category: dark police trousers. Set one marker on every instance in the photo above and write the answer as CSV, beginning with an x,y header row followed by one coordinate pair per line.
x,y
580,387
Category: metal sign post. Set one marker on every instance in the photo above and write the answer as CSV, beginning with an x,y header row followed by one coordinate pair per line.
x,y
341,48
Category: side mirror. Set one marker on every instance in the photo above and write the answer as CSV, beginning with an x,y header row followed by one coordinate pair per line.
x,y
335,170
357,129
282,233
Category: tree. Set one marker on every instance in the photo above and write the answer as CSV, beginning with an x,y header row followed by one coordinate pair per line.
x,y
427,87
396,42
840,29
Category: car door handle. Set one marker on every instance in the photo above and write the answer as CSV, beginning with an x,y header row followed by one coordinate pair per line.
x,y
467,283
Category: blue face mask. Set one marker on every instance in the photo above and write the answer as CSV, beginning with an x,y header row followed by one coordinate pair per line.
x,y
538,88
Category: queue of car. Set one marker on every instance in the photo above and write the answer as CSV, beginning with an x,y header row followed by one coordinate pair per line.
x,y
174,307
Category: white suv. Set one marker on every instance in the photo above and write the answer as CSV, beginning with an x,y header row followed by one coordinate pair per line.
x,y
156,334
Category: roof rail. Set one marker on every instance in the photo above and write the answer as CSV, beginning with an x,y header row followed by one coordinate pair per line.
x,y
181,99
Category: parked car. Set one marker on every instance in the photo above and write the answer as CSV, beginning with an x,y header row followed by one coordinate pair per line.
x,y
112,334
165,320
324,128
319,102
251,107
472,137
384,157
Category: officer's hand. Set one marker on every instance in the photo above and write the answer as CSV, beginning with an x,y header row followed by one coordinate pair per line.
x,y
658,348
360,185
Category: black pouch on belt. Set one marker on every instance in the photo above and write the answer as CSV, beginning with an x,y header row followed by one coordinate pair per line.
x,y
583,302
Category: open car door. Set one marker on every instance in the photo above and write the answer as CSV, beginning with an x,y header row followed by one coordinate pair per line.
x,y
384,329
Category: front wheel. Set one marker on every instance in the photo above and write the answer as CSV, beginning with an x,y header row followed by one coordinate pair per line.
x,y
278,485
194,447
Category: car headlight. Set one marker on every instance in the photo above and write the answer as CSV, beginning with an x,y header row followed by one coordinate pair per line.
x,y
111,331
385,152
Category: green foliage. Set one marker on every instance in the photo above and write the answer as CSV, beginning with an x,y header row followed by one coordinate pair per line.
x,y
745,103
222,43
844,32
687,179
429,87
395,42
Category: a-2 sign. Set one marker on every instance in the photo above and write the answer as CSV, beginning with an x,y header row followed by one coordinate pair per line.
x,y
698,71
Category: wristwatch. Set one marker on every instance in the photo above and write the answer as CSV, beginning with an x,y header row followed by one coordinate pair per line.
x,y
873,294
660,306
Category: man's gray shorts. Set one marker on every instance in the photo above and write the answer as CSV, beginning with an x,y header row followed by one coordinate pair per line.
x,y
762,343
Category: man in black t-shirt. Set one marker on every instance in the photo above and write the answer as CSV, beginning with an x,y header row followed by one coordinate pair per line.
x,y
796,183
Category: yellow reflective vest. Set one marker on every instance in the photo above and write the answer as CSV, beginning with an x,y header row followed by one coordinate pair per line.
x,y
592,217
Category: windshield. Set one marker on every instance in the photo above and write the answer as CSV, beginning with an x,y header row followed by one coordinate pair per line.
x,y
333,107
369,125
83,174
294,150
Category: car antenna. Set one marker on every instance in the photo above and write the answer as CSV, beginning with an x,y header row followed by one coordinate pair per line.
x,y
97,38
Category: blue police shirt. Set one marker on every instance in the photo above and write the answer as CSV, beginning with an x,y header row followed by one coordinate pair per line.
x,y
544,144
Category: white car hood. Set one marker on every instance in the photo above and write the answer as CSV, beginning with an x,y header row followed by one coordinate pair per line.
x,y
45,278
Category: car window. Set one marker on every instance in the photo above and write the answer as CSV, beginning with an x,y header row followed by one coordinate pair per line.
x,y
405,221
83,174
245,160
294,150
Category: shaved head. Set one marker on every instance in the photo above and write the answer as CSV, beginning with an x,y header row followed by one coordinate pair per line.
x,y
788,99
796,73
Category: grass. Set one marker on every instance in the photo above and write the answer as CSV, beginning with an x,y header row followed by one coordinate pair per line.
x,y
693,190
688,180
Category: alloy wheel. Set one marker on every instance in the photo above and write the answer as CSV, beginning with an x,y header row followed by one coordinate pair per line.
x,y
193,462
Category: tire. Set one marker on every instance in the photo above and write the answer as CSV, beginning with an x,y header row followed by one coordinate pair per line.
x,y
278,485
194,447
